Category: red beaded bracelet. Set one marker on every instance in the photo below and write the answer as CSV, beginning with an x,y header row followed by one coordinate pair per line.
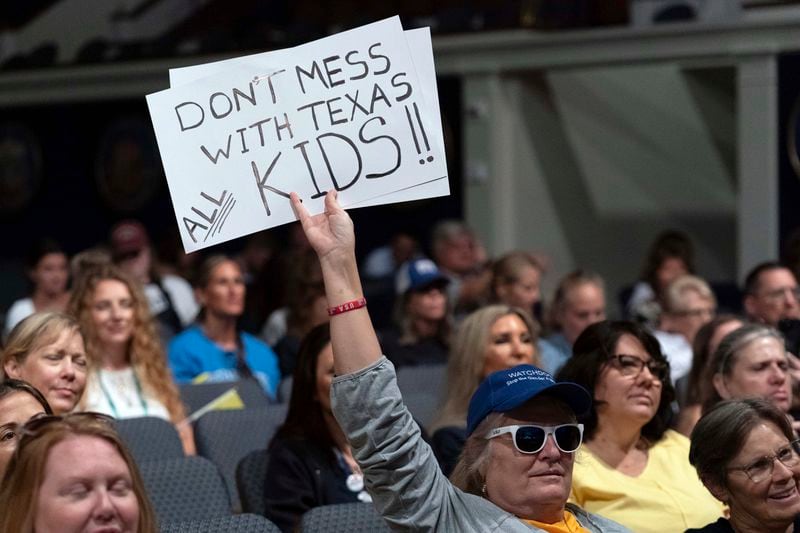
x,y
347,306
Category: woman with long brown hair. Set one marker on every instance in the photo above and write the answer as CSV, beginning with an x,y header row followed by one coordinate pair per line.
x,y
129,377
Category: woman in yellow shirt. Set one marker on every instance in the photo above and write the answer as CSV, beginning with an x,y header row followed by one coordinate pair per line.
x,y
632,468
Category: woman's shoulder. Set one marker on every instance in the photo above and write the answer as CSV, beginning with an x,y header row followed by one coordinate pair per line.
x,y
292,447
253,342
193,333
673,442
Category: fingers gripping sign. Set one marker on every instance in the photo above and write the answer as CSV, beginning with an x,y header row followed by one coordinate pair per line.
x,y
331,232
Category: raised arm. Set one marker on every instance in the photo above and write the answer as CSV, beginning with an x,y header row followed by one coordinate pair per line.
x,y
331,234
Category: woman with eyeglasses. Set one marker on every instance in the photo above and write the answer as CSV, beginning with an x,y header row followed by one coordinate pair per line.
x,y
746,453
633,469
19,402
73,474
751,362
522,433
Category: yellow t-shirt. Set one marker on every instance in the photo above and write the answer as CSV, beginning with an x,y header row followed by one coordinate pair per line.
x,y
570,524
667,496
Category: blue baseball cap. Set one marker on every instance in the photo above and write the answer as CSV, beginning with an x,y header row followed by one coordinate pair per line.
x,y
418,273
507,389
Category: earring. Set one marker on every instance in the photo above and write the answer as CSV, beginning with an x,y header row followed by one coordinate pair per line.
x,y
483,490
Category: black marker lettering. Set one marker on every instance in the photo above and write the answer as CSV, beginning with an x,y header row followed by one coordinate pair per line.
x,y
330,72
397,85
214,158
302,147
262,183
356,105
251,98
328,163
285,126
191,227
312,105
378,94
375,139
334,111
211,105
180,117
354,63
315,71
260,131
380,56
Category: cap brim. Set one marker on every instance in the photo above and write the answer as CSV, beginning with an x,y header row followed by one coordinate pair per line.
x,y
439,282
574,395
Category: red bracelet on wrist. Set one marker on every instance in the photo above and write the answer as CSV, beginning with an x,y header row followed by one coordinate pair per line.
x,y
347,306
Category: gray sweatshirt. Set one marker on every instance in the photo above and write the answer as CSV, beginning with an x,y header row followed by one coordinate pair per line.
x,y
401,473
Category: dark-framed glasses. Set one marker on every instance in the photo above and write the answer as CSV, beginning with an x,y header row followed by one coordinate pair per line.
x,y
531,438
632,366
761,469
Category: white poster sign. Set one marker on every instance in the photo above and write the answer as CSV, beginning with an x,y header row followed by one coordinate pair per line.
x,y
356,112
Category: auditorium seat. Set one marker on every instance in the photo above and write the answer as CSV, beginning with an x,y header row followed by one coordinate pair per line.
x,y
350,517
250,475
150,438
241,523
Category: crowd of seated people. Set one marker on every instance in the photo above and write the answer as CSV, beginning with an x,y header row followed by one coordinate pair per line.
x,y
602,446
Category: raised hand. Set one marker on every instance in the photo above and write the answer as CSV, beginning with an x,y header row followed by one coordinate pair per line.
x,y
329,233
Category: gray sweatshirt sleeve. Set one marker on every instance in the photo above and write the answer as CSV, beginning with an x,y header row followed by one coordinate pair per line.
x,y
400,470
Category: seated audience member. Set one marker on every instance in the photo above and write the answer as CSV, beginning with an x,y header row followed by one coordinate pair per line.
x,y
515,281
169,297
490,339
771,294
746,453
670,256
310,462
515,473
47,269
213,349
422,318
87,260
579,301
72,474
304,278
47,350
258,259
19,402
306,309
128,376
384,261
771,298
693,389
688,305
633,469
462,259
751,361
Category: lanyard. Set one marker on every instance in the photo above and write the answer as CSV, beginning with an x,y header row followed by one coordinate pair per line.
x,y
111,402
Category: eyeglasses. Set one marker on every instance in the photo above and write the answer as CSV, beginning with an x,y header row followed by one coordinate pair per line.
x,y
531,438
632,366
782,293
761,469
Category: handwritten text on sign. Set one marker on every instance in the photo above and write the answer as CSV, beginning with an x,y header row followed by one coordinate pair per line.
x,y
346,112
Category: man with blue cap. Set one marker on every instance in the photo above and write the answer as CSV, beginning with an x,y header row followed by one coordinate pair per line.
x,y
516,469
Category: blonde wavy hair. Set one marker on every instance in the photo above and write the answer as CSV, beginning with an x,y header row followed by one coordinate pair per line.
x,y
467,358
145,353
